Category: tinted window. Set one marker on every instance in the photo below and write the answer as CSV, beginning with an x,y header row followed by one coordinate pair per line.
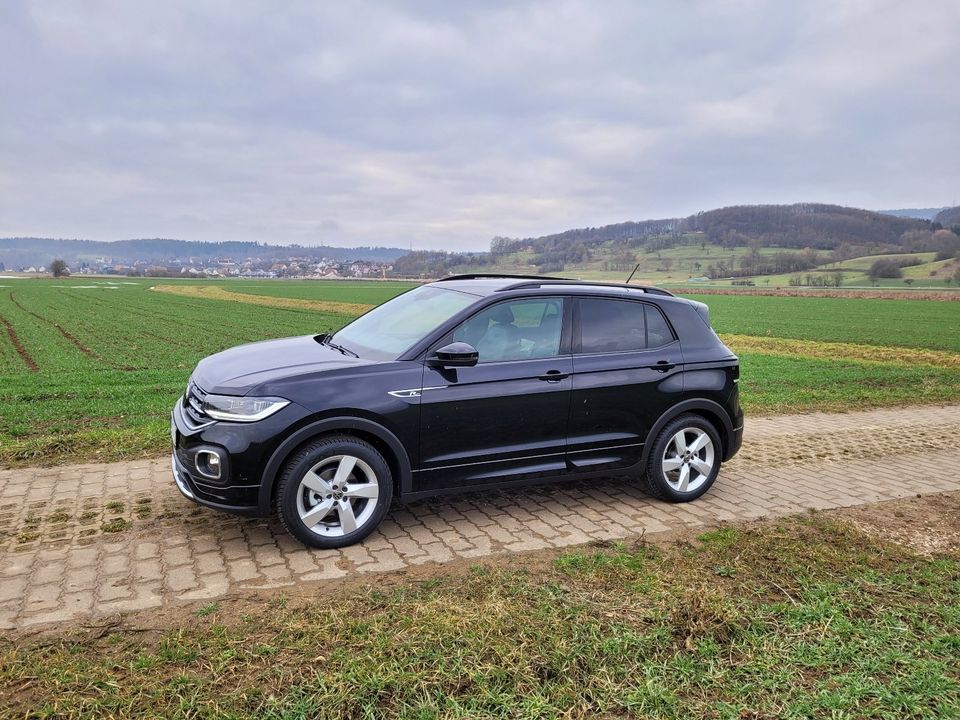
x,y
621,325
387,331
515,330
658,332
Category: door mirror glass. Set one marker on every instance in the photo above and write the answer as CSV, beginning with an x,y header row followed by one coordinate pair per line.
x,y
458,354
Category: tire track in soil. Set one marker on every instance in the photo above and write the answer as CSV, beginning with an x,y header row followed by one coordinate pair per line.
x,y
70,337
18,346
146,333
236,332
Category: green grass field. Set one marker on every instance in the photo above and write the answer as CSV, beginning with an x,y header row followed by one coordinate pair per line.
x,y
89,368
895,323
803,618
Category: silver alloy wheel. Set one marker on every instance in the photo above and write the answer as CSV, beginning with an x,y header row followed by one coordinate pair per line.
x,y
688,460
337,496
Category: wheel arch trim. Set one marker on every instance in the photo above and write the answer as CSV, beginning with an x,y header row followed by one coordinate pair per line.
x,y
324,427
692,406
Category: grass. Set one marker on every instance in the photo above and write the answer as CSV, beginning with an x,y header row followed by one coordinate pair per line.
x,y
90,368
799,619
889,323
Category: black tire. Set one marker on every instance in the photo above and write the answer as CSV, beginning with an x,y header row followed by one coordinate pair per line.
x,y
655,478
292,496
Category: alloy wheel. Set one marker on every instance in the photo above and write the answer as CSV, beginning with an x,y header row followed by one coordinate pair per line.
x,y
337,496
688,459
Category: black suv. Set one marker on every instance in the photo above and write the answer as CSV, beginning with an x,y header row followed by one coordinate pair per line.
x,y
470,383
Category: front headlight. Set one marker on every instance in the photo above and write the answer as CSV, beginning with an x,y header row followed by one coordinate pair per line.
x,y
242,409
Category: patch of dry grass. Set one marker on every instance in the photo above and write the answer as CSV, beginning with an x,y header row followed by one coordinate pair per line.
x,y
213,292
841,351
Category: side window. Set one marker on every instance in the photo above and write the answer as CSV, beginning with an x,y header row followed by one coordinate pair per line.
x,y
608,325
658,332
515,330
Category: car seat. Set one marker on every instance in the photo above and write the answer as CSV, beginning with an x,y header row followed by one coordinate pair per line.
x,y
501,341
547,338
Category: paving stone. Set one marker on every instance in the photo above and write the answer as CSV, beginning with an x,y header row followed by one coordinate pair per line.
x,y
42,597
114,564
196,554
115,588
242,569
180,579
12,588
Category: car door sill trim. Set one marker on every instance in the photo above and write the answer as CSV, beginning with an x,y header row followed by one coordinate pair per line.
x,y
605,447
529,457
485,462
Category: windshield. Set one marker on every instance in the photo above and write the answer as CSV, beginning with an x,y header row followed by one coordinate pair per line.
x,y
388,330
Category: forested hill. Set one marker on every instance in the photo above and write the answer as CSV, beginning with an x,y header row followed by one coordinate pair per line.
x,y
824,227
38,251
802,225
949,217
813,226
624,231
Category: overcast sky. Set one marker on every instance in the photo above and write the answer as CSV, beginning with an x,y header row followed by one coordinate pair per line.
x,y
442,124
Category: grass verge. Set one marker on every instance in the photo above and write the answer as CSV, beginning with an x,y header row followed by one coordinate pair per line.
x,y
803,618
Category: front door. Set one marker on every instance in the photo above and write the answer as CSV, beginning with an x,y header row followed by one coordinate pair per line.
x,y
504,419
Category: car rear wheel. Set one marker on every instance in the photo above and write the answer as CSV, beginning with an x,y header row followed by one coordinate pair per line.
x,y
334,492
684,460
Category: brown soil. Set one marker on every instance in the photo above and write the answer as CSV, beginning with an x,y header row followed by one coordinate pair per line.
x,y
18,346
928,525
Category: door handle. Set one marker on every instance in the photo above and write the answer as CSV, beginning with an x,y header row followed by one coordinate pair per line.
x,y
664,366
554,376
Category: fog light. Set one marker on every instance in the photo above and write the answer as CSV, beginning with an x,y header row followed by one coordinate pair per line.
x,y
208,464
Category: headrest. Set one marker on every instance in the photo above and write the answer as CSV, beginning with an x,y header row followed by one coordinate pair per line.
x,y
502,314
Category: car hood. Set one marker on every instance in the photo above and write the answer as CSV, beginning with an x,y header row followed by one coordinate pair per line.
x,y
240,369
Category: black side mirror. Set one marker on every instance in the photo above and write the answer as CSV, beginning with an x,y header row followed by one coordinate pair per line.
x,y
458,354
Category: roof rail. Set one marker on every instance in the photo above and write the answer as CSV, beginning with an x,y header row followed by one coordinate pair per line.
x,y
478,276
650,289
540,280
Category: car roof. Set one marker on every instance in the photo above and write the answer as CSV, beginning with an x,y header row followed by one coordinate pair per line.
x,y
487,284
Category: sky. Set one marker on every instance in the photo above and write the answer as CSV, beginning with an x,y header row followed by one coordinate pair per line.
x,y
439,125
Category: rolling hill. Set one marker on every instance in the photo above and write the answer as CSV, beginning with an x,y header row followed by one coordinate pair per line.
x,y
948,217
726,244
24,251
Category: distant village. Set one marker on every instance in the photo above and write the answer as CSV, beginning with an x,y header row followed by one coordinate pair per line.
x,y
194,267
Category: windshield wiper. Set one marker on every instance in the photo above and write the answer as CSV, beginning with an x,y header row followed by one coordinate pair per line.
x,y
329,343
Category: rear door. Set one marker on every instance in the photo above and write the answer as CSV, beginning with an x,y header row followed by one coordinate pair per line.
x,y
505,418
627,371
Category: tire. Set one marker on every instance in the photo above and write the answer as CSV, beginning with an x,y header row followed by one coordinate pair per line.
x,y
697,462
334,491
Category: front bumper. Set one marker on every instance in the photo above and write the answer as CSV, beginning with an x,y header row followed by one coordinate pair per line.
x,y
191,489
233,492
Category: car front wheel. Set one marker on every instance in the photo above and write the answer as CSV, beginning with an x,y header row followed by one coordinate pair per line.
x,y
684,460
334,492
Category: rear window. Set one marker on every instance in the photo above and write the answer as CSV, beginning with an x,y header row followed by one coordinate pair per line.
x,y
608,325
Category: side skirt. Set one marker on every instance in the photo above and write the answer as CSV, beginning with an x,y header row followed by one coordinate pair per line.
x,y
566,477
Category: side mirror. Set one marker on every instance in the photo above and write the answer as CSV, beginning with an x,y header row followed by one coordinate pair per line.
x,y
458,354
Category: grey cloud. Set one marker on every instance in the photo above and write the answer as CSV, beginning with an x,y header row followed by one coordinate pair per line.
x,y
443,124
